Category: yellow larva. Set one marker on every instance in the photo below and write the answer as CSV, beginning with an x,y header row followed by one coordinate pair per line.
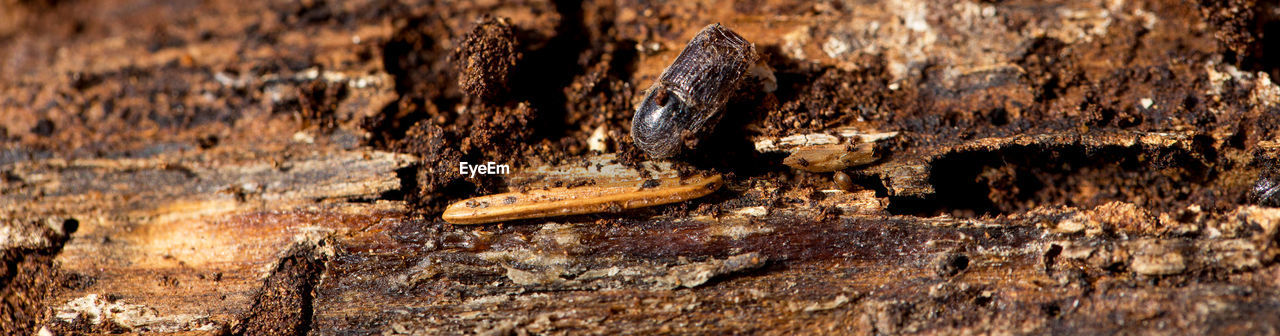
x,y
580,200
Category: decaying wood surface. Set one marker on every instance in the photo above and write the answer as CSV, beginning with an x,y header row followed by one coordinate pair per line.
x,y
275,168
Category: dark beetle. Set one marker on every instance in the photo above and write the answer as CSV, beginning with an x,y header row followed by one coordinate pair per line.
x,y
1266,191
686,100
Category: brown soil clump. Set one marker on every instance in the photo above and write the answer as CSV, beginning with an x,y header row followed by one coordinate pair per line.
x,y
486,58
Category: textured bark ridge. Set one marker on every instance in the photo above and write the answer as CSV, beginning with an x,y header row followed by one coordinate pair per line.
x,y
281,167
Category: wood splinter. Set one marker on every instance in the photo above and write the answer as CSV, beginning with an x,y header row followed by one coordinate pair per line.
x,y
829,158
601,197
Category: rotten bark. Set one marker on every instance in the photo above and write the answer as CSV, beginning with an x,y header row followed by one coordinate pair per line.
x,y
280,168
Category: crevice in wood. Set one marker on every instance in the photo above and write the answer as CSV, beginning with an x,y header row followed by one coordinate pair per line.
x,y
284,305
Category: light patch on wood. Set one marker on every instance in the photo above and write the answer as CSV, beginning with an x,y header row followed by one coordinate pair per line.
x,y
755,211
856,202
829,158
824,306
186,210
96,310
195,243
738,229
1159,264
562,234
840,135
599,140
14,235
696,274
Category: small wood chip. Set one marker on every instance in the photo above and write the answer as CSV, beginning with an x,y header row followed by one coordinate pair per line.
x,y
829,158
603,196
842,135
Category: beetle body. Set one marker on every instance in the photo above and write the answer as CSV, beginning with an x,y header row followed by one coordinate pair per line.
x,y
688,97
1266,191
